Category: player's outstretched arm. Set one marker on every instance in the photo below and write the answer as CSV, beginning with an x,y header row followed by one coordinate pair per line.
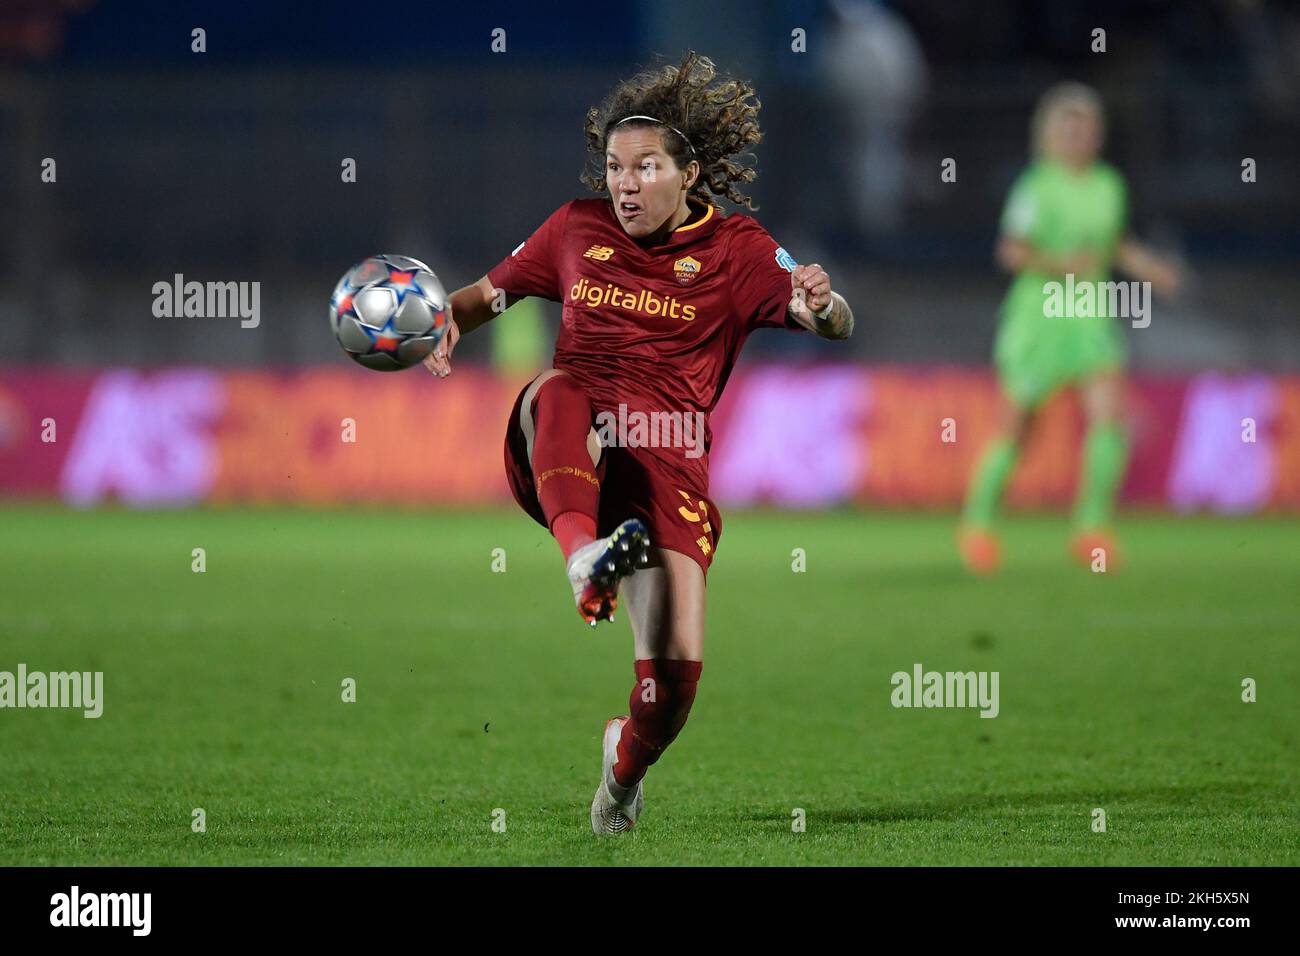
x,y
471,307
1142,263
814,306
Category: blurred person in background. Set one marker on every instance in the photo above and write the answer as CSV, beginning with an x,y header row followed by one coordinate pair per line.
x,y
1064,225
875,70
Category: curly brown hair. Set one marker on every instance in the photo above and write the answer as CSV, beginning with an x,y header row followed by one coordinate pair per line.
x,y
719,119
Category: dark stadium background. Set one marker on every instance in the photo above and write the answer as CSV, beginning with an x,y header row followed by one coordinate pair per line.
x,y
229,160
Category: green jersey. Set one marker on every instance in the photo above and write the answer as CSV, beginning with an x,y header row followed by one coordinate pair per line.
x,y
1060,212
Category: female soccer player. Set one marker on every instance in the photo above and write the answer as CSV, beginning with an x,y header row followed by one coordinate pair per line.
x,y
1062,227
660,290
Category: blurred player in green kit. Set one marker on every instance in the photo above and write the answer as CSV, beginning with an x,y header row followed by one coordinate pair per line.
x,y
1062,229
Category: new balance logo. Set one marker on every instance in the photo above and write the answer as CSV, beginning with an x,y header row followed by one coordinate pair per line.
x,y
599,253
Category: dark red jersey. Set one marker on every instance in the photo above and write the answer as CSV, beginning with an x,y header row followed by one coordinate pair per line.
x,y
654,329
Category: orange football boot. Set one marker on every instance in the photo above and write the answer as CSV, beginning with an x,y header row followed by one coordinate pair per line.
x,y
980,549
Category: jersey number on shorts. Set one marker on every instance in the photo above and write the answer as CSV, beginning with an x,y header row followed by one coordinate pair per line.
x,y
695,517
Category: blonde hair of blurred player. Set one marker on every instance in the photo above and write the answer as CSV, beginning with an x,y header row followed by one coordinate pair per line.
x,y
1069,125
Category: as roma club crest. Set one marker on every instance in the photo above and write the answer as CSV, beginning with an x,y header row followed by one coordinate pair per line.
x,y
686,269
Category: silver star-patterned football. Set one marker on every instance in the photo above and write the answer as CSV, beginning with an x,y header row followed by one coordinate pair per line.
x,y
388,312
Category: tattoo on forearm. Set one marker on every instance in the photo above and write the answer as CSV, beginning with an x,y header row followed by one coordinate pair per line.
x,y
839,324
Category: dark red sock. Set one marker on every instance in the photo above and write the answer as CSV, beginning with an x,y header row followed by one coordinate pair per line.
x,y
567,486
660,703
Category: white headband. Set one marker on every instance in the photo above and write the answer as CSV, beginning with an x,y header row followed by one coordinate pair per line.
x,y
661,123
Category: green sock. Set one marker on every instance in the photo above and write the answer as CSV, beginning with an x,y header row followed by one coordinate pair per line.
x,y
985,493
1105,453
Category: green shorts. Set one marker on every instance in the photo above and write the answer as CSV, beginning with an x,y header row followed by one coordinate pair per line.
x,y
1035,355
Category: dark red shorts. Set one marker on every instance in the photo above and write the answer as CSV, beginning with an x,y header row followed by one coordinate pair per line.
x,y
633,484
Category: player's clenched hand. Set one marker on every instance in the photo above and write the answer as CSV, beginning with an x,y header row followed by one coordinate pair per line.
x,y
439,360
810,290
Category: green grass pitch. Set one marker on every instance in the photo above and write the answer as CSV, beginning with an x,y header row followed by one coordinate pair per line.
x,y
478,691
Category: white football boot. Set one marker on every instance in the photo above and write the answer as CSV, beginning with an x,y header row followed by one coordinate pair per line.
x,y
609,815
595,569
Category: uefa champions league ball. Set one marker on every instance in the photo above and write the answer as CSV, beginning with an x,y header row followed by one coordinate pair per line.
x,y
389,312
